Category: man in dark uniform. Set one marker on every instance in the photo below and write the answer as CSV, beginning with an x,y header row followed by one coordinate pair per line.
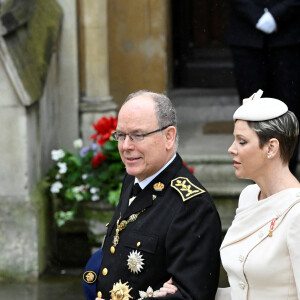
x,y
264,36
171,229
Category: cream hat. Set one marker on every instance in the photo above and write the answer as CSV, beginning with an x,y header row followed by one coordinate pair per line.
x,y
256,108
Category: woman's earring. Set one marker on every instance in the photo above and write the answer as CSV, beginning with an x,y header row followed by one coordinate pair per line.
x,y
269,156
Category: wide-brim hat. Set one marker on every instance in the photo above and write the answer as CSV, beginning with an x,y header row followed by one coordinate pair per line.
x,y
256,108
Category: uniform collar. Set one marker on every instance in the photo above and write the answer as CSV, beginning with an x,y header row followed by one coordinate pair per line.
x,y
146,197
146,181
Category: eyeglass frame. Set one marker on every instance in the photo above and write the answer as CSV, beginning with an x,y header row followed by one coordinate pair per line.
x,y
141,135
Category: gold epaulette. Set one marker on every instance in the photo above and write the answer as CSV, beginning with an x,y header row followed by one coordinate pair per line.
x,y
185,188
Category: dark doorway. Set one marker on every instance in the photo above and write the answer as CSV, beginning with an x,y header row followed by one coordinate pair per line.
x,y
201,57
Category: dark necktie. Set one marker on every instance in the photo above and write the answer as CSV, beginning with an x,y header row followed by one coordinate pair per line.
x,y
136,189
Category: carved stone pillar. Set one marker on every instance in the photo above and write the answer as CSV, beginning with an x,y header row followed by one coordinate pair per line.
x,y
96,100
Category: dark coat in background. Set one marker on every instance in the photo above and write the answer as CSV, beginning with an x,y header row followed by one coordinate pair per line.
x,y
270,62
177,234
245,14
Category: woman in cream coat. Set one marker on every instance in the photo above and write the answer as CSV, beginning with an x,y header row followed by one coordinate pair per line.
x,y
261,249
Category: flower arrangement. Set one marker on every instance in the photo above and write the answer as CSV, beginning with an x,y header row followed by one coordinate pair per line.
x,y
91,173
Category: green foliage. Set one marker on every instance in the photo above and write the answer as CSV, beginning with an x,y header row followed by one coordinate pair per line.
x,y
92,173
113,196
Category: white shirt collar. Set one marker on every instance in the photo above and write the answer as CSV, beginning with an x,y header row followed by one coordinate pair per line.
x,y
146,181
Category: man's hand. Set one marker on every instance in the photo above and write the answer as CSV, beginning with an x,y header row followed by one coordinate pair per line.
x,y
168,288
266,23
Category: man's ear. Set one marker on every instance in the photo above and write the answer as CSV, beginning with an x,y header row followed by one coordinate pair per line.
x,y
170,134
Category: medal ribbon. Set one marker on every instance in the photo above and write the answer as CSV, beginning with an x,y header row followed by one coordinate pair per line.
x,y
121,226
272,227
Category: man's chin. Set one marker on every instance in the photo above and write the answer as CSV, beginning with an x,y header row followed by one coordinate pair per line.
x,y
132,171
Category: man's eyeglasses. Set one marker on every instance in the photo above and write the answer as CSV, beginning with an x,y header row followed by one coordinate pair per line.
x,y
135,137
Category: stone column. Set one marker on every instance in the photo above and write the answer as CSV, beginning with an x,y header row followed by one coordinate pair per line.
x,y
68,77
94,74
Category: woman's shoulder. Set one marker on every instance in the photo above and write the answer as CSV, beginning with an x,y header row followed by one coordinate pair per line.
x,y
249,195
294,207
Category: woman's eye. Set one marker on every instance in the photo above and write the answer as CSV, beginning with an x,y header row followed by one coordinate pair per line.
x,y
242,142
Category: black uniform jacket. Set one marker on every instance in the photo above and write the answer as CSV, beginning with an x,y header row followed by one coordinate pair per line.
x,y
245,14
177,235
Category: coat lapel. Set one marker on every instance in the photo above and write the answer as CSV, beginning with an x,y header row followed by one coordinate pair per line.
x,y
145,197
124,199
123,203
142,201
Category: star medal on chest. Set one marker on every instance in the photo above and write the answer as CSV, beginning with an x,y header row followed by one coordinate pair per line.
x,y
135,262
121,226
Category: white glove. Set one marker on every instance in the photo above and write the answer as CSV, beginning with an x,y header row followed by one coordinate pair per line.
x,y
266,23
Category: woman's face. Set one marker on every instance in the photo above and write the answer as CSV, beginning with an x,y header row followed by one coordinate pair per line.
x,y
248,158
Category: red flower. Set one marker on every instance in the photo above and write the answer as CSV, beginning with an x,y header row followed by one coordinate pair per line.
x,y
192,169
104,127
98,159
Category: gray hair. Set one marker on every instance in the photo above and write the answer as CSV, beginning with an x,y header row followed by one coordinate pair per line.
x,y
165,111
284,128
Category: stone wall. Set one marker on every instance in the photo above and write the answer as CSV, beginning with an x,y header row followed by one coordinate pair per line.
x,y
29,131
23,231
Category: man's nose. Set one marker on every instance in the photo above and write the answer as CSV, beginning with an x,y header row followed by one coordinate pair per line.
x,y
127,143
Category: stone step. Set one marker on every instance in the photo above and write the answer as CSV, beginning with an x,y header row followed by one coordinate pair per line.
x,y
205,129
208,69
203,96
204,105
212,168
216,173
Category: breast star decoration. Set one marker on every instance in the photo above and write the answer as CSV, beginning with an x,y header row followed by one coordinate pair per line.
x,y
135,262
120,291
148,294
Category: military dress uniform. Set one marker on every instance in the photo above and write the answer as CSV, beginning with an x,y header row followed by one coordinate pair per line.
x,y
172,229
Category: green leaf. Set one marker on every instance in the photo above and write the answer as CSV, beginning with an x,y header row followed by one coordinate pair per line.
x,y
63,216
75,160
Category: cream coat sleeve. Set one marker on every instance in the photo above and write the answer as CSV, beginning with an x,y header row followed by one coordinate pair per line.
x,y
223,294
293,243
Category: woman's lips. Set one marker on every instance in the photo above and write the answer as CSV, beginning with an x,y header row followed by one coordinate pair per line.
x,y
236,163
